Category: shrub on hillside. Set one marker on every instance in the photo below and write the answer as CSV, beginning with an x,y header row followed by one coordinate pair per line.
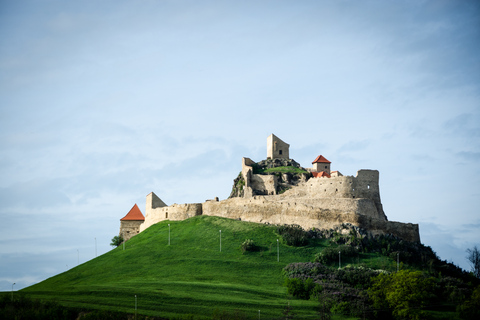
x,y
301,289
470,309
116,241
330,255
293,235
344,288
22,307
403,294
248,245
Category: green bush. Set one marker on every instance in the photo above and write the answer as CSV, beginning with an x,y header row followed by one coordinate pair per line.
x,y
470,309
330,255
341,307
299,288
402,295
293,235
116,241
248,245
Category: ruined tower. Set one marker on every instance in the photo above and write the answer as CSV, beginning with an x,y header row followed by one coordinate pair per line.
x,y
276,148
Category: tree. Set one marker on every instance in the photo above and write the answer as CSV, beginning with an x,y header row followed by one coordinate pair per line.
x,y
403,294
470,309
116,241
474,258
299,288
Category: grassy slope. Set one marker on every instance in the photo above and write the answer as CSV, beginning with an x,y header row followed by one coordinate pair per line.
x,y
191,276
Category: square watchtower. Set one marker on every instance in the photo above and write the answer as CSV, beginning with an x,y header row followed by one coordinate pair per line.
x,y
276,148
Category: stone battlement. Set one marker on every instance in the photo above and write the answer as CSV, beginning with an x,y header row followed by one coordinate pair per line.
x,y
321,200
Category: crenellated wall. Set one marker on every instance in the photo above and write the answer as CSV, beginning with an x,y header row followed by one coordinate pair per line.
x,y
365,185
156,210
316,203
173,212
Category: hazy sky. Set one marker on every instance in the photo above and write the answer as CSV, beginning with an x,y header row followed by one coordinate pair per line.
x,y
102,102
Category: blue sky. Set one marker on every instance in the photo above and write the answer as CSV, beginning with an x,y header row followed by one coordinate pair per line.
x,y
103,102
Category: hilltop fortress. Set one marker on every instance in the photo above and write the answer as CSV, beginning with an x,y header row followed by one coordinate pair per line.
x,y
278,191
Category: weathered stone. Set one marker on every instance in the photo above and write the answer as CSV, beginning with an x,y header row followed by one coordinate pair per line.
x,y
337,204
276,148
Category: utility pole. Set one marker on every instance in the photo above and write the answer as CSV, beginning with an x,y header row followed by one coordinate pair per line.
x,y
135,307
95,247
278,252
339,260
12,290
220,240
78,257
124,241
169,234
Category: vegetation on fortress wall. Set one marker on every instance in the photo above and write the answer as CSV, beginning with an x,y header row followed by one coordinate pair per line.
x,y
237,189
288,172
291,170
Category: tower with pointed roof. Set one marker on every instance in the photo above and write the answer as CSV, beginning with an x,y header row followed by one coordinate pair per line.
x,y
321,164
276,148
130,224
329,200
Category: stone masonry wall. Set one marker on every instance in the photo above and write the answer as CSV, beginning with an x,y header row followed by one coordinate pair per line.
x,y
363,186
321,203
311,213
173,212
266,184
130,228
276,148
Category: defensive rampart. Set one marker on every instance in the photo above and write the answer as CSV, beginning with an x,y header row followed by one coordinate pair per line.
x,y
156,211
321,203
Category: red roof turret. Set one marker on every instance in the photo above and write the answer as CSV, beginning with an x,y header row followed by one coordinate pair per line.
x,y
320,159
134,214
321,174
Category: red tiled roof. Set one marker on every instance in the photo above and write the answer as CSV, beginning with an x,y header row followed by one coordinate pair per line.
x,y
320,174
134,214
320,159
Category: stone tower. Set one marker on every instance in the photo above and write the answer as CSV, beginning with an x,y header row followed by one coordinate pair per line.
x,y
321,164
130,224
276,148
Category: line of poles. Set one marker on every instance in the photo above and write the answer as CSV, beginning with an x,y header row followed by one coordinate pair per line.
x,y
220,238
220,233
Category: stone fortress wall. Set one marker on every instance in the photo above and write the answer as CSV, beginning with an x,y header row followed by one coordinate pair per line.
x,y
129,229
321,203
156,210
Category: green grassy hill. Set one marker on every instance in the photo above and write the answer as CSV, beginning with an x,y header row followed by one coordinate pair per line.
x,y
191,276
